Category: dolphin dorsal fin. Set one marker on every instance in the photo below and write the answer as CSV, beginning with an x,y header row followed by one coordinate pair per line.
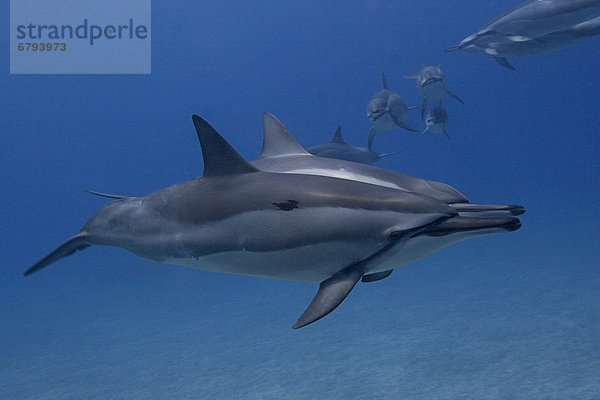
x,y
277,140
337,136
219,157
384,84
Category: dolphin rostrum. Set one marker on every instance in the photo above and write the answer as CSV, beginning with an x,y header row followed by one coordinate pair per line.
x,y
282,153
239,219
339,149
535,26
436,120
431,84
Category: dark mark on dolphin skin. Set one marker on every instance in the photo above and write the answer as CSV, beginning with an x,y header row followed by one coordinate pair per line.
x,y
287,206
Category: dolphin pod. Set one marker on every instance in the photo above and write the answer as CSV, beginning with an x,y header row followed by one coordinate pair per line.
x,y
237,218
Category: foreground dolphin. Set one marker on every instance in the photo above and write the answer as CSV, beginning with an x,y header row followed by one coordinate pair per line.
x,y
339,149
431,84
535,26
282,153
436,120
238,219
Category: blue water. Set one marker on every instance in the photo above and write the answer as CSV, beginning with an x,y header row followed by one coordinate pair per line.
x,y
512,316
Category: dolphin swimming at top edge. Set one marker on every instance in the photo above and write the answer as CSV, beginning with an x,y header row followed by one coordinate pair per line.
x,y
239,219
534,26
282,153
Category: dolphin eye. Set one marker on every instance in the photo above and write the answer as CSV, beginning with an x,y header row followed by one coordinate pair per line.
x,y
394,236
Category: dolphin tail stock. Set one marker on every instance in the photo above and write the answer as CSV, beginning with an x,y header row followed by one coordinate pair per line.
x,y
504,62
68,247
449,93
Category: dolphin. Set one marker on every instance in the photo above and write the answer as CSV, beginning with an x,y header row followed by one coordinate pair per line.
x,y
338,148
282,153
431,84
386,111
239,219
534,26
436,120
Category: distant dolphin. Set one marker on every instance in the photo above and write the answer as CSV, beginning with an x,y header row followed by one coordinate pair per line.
x,y
386,111
431,84
436,120
238,219
282,153
535,26
338,148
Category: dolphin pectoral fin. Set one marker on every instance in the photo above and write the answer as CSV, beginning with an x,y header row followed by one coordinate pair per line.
x,y
331,293
453,48
504,62
376,276
411,76
446,133
110,196
372,133
402,124
68,247
408,128
449,93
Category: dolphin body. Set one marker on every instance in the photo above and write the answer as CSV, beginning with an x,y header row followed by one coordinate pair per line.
x,y
282,153
535,26
431,84
339,149
239,219
386,110
436,120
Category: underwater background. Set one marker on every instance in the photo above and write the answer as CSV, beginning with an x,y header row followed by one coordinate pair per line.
x,y
511,316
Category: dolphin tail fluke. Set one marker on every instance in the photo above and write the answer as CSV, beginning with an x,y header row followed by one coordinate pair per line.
x,y
504,62
449,93
330,295
68,247
425,131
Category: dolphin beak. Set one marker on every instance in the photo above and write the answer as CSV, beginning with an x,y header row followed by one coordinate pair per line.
x,y
465,224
